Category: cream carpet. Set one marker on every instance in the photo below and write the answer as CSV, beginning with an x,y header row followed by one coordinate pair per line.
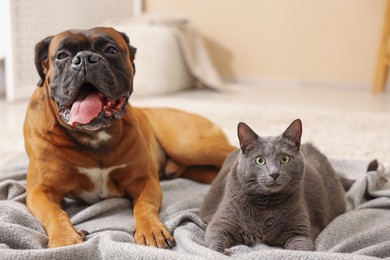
x,y
341,132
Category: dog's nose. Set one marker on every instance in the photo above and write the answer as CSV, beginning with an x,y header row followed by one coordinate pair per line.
x,y
85,57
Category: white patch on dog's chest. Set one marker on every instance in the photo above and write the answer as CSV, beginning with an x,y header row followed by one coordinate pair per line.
x,y
100,178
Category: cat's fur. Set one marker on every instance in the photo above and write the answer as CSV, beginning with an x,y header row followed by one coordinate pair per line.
x,y
285,205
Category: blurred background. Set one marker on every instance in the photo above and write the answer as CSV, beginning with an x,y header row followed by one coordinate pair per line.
x,y
302,42
265,62
331,43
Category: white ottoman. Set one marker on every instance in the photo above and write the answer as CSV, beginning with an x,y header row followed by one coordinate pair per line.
x,y
160,65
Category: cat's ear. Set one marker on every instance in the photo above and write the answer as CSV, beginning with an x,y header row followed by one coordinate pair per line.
x,y
246,136
294,132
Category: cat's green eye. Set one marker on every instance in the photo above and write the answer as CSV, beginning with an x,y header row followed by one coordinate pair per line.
x,y
260,160
284,159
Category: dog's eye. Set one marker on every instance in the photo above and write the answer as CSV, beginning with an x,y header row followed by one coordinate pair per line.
x,y
111,50
62,55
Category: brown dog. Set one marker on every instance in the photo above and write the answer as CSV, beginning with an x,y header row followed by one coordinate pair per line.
x,y
84,140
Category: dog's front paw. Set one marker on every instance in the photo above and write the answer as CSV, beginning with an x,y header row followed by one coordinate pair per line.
x,y
67,239
153,234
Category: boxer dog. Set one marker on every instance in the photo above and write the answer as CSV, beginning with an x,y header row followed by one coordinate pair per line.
x,y
84,139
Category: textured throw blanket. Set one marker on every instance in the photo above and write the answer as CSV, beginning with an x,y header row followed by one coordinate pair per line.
x,y
361,233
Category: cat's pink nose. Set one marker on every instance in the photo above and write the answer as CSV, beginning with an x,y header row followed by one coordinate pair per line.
x,y
274,175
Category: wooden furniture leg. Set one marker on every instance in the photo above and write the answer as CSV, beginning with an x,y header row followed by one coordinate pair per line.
x,y
383,60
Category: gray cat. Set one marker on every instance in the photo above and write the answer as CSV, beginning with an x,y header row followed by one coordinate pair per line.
x,y
272,190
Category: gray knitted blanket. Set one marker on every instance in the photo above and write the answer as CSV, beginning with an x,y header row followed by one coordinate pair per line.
x,y
361,233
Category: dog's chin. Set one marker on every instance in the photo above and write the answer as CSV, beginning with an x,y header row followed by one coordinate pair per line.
x,y
99,122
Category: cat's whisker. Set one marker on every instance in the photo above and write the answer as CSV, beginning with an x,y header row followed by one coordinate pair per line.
x,y
249,187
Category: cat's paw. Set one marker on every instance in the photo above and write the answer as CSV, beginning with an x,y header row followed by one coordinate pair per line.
x,y
217,240
217,247
228,252
220,247
300,243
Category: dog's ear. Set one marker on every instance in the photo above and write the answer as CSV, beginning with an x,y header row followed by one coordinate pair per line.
x,y
41,58
132,49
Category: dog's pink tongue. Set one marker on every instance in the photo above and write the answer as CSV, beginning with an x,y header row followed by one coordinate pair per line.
x,y
84,110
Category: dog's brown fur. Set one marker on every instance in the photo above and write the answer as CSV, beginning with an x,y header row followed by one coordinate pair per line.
x,y
143,146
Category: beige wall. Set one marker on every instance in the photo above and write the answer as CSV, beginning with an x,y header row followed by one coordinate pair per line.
x,y
308,41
